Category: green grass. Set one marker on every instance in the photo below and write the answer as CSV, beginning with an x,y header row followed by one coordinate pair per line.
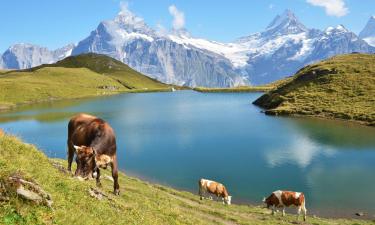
x,y
342,87
74,77
139,202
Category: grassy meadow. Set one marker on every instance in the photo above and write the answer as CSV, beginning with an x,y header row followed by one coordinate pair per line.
x,y
74,77
342,87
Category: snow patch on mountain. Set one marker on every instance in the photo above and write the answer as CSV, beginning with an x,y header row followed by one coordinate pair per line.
x,y
368,32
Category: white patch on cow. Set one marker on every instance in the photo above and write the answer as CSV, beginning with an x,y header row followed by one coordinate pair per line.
x,y
278,194
103,160
297,194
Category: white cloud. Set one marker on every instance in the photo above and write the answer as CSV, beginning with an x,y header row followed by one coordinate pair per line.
x,y
332,7
301,151
178,17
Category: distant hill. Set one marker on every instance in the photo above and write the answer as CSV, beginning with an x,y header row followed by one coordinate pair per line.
x,y
342,87
74,77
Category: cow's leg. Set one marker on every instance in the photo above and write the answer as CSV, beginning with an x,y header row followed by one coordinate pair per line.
x,y
298,212
283,210
71,152
304,212
97,170
273,210
116,186
200,191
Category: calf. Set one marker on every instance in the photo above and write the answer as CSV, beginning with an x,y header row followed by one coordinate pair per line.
x,y
282,199
94,142
214,188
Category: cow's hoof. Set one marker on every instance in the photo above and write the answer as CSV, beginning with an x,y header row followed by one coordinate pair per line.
x,y
116,192
98,184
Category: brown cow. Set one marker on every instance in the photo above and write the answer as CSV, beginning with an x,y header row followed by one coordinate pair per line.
x,y
282,199
94,142
214,188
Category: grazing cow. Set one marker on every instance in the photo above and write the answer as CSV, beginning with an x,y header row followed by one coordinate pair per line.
x,y
1,132
282,199
214,188
94,142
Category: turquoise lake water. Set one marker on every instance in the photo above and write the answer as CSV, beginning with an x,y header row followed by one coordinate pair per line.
x,y
176,138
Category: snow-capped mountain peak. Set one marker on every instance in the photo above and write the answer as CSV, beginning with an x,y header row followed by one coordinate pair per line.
x,y
177,57
368,32
286,23
131,22
338,29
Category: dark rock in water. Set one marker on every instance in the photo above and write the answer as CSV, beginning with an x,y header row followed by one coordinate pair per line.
x,y
360,214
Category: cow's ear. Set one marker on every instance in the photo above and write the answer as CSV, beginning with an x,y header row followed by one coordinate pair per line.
x,y
77,148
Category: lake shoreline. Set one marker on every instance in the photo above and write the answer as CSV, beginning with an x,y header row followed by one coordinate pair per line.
x,y
318,117
257,204
10,107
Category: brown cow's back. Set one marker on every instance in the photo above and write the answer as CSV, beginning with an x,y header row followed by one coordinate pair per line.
x,y
289,198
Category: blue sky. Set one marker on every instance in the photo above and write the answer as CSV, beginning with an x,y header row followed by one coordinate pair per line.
x,y
56,23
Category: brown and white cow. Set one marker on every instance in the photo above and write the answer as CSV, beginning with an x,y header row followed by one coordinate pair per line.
x,y
94,142
209,187
282,199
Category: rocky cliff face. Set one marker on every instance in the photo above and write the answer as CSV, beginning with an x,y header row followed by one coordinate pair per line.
x,y
128,39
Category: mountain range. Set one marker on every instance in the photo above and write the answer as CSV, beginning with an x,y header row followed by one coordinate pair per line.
x,y
285,46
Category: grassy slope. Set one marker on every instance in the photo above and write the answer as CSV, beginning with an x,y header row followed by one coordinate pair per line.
x,y
139,203
262,88
74,77
342,87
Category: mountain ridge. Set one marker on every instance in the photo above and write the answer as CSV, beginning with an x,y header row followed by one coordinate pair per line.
x,y
176,57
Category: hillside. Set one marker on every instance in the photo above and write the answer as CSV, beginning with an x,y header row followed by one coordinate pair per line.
x,y
74,77
342,87
139,202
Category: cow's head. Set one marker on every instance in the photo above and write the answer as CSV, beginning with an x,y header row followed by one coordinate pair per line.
x,y
85,161
267,202
228,200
